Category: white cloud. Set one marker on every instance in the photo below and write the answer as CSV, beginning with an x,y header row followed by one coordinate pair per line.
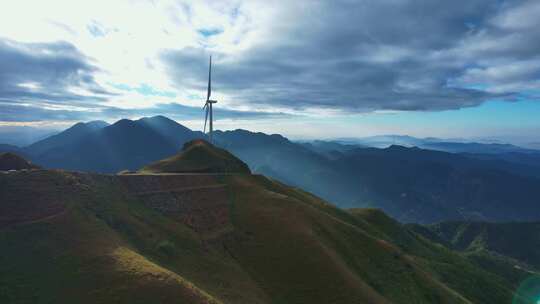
x,y
314,58
519,17
124,38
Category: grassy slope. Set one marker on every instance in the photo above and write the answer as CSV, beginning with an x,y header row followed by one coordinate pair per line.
x,y
107,247
509,250
286,246
449,267
414,271
199,156
517,240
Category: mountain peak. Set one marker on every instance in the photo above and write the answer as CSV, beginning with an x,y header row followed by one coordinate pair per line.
x,y
397,148
97,124
123,121
69,136
92,125
199,156
157,118
163,123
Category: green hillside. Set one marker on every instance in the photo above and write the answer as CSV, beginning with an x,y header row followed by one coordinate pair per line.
x,y
210,238
198,157
516,240
508,249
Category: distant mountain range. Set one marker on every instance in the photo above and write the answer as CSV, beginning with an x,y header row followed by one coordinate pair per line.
x,y
99,147
411,184
23,135
431,143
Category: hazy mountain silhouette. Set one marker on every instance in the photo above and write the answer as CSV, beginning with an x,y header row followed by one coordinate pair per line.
x,y
22,136
292,163
431,143
519,163
68,137
492,148
411,184
125,144
420,185
330,149
9,148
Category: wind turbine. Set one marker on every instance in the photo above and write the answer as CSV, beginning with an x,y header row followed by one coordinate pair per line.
x,y
208,104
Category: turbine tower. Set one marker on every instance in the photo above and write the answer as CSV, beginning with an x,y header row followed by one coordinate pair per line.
x,y
208,105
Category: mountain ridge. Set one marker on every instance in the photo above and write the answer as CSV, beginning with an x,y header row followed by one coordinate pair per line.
x,y
126,144
199,156
411,184
156,237
433,143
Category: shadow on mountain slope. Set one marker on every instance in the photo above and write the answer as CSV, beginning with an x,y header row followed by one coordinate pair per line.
x,y
215,238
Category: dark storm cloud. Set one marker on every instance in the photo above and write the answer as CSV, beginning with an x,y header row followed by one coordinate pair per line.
x,y
44,73
181,112
379,55
12,112
32,113
35,79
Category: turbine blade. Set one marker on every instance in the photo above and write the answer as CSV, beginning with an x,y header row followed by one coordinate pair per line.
x,y
209,80
205,120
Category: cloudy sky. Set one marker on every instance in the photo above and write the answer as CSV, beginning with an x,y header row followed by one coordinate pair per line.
x,y
306,69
